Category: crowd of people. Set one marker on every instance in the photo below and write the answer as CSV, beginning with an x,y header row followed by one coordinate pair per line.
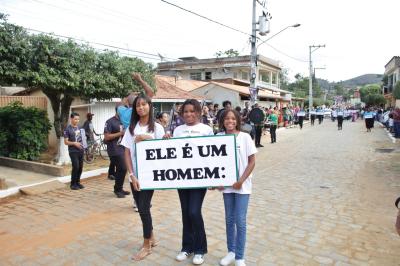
x,y
134,121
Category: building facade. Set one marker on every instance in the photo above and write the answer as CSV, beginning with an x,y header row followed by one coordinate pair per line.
x,y
392,71
234,71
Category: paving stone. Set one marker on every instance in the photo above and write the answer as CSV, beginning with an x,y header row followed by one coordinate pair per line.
x,y
311,205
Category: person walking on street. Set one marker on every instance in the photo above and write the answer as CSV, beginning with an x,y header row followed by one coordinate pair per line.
x,y
73,138
300,115
113,133
340,117
369,119
312,116
273,117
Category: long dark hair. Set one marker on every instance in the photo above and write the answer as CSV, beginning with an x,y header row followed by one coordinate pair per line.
x,y
135,116
223,116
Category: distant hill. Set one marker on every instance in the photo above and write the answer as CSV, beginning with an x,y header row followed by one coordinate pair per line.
x,y
354,82
362,80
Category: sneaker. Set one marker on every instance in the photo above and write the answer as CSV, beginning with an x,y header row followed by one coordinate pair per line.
x,y
80,186
240,263
198,259
126,192
119,194
74,187
182,256
111,177
228,259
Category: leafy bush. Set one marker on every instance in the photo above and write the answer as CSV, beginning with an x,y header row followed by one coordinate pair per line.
x,y
23,131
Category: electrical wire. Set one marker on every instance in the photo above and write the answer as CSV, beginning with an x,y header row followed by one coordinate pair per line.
x,y
97,43
285,54
206,18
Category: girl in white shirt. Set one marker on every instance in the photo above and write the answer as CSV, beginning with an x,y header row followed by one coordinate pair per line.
x,y
194,238
236,198
142,127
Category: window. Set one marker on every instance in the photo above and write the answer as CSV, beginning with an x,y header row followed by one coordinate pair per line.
x,y
245,75
274,78
195,76
208,75
235,75
265,77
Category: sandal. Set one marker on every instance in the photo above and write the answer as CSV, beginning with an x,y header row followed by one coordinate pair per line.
x,y
154,243
143,253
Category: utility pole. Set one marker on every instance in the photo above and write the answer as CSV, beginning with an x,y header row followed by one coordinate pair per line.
x,y
253,58
263,29
310,96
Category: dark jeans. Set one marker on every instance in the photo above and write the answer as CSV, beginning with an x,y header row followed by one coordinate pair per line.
x,y
143,203
396,127
272,131
312,119
194,235
258,134
111,169
77,165
340,122
320,118
301,119
120,171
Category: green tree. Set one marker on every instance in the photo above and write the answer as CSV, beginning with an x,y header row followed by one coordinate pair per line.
x,y
300,87
368,90
339,90
64,70
374,100
227,53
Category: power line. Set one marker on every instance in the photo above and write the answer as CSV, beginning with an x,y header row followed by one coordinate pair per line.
x,y
101,44
204,17
285,54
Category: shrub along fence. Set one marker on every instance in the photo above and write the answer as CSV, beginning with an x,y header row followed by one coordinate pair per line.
x,y
23,131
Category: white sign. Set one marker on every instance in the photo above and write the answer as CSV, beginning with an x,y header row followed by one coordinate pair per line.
x,y
195,162
301,113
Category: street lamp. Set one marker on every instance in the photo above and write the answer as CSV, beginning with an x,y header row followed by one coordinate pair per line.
x,y
253,58
291,26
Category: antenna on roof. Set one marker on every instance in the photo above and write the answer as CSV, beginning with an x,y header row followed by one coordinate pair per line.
x,y
161,57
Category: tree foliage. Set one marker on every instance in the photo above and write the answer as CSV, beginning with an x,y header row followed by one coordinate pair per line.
x,y
65,69
367,90
300,87
227,53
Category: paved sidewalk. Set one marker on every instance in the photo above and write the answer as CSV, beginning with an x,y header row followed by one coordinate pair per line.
x,y
321,197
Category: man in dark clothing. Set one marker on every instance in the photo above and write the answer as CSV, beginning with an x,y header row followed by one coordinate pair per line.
x,y
73,137
227,105
113,133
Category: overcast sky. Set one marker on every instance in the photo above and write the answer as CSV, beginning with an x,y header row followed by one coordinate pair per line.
x,y
361,36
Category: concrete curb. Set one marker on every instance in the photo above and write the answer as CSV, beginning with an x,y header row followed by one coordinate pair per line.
x,y
64,179
388,133
36,167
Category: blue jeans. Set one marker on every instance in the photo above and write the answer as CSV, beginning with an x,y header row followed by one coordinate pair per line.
x,y
235,219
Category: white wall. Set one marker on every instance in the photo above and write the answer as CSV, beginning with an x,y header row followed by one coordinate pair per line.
x,y
219,94
102,112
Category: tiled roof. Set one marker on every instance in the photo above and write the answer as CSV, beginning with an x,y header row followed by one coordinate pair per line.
x,y
166,90
183,84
